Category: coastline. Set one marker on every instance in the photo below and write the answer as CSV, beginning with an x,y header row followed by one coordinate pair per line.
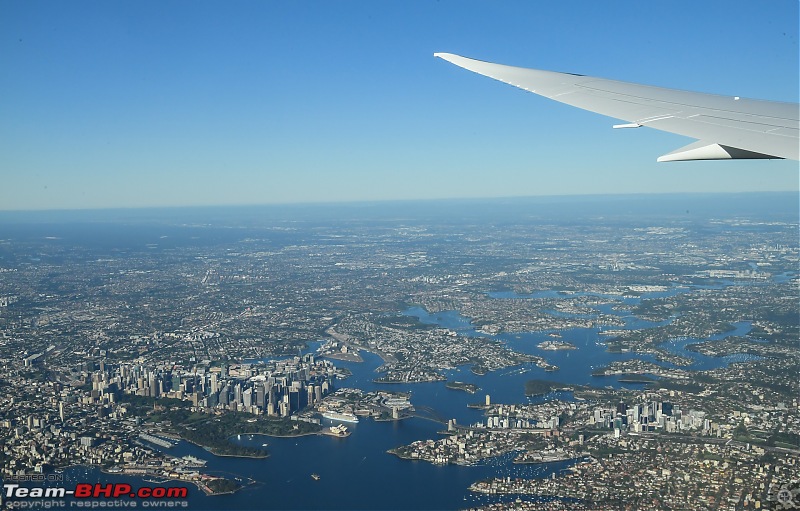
x,y
277,436
548,460
345,357
470,388
200,483
209,450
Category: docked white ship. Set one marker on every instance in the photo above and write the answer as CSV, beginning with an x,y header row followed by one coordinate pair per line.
x,y
343,417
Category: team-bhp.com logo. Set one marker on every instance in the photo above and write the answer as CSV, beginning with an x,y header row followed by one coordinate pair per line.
x,y
97,495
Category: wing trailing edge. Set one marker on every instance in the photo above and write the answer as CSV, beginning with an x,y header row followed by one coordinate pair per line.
x,y
726,127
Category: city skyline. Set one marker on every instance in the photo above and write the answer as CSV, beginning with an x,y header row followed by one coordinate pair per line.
x,y
150,105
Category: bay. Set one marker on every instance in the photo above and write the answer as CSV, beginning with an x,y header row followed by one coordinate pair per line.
x,y
357,473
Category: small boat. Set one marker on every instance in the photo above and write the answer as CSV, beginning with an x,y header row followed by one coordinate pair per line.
x,y
315,477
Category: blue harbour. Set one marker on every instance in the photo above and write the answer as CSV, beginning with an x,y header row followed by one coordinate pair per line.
x,y
357,473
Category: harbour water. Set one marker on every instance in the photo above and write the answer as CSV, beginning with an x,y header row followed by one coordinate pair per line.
x,y
357,473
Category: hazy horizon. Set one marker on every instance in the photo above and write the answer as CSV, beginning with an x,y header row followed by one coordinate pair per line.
x,y
567,196
697,205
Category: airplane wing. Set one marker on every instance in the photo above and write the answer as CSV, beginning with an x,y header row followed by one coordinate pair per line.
x,y
725,127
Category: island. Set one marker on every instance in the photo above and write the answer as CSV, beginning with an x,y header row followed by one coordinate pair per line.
x,y
466,387
556,345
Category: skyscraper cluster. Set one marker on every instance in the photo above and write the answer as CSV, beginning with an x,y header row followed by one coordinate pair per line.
x,y
277,388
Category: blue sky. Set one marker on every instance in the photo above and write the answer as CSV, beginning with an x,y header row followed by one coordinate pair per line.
x,y
170,103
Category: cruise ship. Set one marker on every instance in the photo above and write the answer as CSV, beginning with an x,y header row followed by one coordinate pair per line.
x,y
343,417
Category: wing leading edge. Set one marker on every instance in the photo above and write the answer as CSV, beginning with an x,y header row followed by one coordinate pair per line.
x,y
725,127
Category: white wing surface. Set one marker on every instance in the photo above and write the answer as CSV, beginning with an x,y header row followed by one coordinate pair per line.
x,y
725,127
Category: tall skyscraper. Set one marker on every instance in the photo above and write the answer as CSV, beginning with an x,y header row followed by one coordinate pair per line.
x,y
260,395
